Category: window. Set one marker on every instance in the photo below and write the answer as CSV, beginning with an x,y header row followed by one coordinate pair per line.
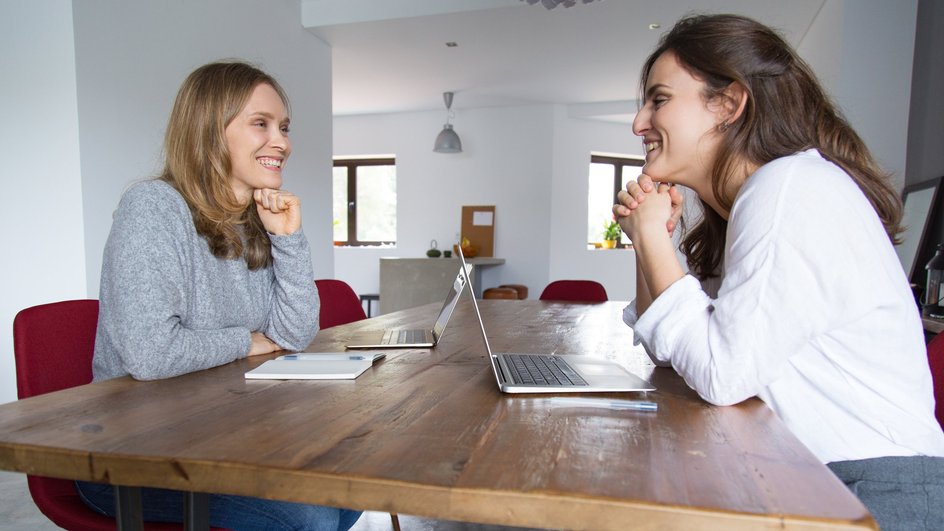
x,y
365,201
608,175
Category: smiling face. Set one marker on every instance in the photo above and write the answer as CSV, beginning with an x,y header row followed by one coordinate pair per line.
x,y
258,144
678,127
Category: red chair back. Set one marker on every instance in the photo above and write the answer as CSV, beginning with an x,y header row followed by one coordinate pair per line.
x,y
53,346
339,304
936,361
574,291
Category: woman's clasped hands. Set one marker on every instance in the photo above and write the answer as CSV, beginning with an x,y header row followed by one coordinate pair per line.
x,y
647,207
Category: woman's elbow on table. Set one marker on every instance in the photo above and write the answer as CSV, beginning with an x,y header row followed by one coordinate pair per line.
x,y
297,339
146,371
723,394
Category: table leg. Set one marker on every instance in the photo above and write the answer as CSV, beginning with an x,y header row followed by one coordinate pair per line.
x,y
196,511
129,516
128,513
370,298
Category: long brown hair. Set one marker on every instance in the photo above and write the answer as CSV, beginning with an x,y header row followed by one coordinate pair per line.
x,y
787,111
197,160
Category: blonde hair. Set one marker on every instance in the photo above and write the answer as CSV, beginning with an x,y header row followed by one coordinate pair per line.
x,y
197,160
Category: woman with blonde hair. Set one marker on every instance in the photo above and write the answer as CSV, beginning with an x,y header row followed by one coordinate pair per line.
x,y
208,264
795,293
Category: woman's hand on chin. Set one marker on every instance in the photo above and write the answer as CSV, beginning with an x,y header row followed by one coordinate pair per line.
x,y
280,211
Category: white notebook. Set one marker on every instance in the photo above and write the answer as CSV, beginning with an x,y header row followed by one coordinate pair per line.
x,y
314,366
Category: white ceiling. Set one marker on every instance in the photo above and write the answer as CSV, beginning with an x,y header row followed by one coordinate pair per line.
x,y
391,55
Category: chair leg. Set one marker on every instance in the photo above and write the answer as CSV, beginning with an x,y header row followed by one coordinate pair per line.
x,y
395,521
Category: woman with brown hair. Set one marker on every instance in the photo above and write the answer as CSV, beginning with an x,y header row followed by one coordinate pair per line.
x,y
208,264
795,294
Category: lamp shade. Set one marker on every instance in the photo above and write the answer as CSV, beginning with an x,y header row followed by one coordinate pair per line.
x,y
447,141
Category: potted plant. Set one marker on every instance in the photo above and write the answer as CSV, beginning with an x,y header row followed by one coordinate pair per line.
x,y
611,234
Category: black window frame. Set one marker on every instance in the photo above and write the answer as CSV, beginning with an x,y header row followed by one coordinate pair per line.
x,y
618,164
352,163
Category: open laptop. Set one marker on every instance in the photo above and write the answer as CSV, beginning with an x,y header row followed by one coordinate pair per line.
x,y
417,337
550,373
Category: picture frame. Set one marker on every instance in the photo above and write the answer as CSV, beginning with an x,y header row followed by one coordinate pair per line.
x,y
919,202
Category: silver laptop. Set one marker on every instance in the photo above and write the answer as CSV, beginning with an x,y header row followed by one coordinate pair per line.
x,y
552,373
417,337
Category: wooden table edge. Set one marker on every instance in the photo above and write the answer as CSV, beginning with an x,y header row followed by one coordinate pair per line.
x,y
496,507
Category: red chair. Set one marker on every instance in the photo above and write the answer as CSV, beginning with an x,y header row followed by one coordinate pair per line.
x,y
936,361
339,304
53,346
574,291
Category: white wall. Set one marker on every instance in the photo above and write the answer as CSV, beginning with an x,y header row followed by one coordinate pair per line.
x,y
98,79
506,162
125,93
863,52
109,90
574,139
547,198
926,120
531,162
44,256
877,32
820,46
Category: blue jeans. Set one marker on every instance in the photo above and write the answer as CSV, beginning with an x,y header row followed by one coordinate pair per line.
x,y
237,513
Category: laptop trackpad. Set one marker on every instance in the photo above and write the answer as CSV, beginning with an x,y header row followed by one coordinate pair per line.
x,y
604,373
591,368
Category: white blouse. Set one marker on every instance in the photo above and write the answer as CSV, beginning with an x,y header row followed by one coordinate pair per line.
x,y
814,316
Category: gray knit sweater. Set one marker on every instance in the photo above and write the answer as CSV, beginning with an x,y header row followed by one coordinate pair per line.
x,y
169,307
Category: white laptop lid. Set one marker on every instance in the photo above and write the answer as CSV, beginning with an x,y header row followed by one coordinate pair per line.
x,y
600,375
452,298
375,339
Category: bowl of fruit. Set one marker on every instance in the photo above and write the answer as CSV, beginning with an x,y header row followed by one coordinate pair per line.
x,y
468,250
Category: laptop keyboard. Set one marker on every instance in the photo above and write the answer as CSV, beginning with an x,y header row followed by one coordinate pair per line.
x,y
407,337
541,370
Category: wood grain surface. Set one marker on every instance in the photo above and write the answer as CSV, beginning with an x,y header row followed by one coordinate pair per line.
x,y
426,432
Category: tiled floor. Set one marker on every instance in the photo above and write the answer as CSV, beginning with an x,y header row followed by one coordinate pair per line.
x,y
18,513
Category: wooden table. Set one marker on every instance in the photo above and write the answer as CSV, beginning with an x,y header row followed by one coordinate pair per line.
x,y
426,432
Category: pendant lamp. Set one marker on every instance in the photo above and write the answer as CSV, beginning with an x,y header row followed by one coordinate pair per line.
x,y
447,141
551,4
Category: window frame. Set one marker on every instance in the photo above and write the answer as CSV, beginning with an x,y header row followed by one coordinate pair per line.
x,y
352,163
618,164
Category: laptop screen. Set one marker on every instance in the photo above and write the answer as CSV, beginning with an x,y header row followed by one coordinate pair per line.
x,y
452,298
